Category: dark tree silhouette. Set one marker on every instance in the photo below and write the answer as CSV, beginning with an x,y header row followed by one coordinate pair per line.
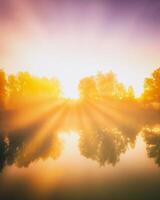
x,y
152,139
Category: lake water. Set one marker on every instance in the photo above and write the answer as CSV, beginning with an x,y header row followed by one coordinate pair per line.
x,y
73,176
83,158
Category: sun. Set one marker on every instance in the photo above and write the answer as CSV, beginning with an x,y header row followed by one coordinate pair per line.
x,y
70,90
69,64
70,140
70,94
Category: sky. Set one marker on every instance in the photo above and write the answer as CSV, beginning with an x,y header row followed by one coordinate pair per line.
x,y
70,39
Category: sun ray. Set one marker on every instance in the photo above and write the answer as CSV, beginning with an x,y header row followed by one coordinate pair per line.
x,y
50,126
27,117
87,120
117,115
101,118
128,127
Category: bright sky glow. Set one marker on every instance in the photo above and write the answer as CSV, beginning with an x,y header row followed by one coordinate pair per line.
x,y
72,46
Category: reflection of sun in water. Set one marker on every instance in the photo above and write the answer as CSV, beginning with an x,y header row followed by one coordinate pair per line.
x,y
70,141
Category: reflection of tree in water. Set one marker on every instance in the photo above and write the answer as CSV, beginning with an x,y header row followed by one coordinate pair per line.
x,y
152,139
13,148
103,145
3,151
36,140
107,129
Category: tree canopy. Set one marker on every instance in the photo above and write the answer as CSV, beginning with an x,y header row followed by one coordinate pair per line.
x,y
151,91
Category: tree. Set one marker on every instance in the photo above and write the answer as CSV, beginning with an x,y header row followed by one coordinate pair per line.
x,y
103,86
106,84
88,89
130,93
13,90
152,88
24,86
120,91
2,88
